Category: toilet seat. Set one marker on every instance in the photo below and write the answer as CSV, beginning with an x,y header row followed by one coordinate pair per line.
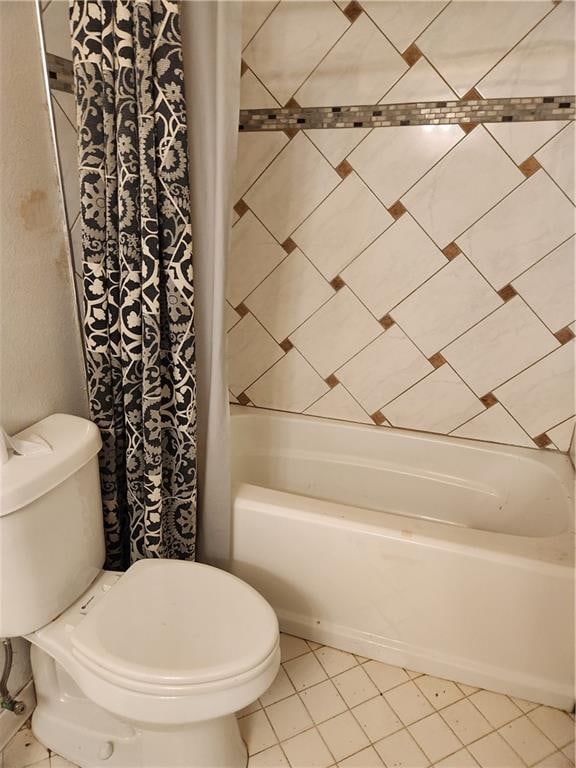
x,y
168,642
169,624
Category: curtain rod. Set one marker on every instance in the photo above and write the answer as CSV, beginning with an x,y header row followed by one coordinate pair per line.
x,y
466,112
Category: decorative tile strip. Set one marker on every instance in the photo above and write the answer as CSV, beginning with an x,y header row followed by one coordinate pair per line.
x,y
60,73
463,111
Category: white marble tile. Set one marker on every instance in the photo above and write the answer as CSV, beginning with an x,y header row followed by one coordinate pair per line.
x,y
561,435
293,185
343,735
323,701
468,39
254,253
289,717
291,43
307,750
339,404
542,63
472,178
68,155
251,351
290,385
342,226
255,152
434,737
254,14
336,143
377,718
394,265
401,751
231,317
345,322
402,22
453,300
496,426
542,396
67,102
253,95
438,403
521,140
548,286
522,228
500,346
56,29
420,83
384,369
289,295
466,721
359,69
557,157
391,160
527,740
493,752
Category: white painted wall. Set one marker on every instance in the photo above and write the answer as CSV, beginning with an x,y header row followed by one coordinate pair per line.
x,y
41,368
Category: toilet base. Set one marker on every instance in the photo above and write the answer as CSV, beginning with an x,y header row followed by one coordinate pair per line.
x,y
91,737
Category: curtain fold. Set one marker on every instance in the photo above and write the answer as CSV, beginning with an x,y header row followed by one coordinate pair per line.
x,y
211,39
137,272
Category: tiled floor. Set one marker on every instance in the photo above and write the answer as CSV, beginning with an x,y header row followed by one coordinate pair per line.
x,y
330,709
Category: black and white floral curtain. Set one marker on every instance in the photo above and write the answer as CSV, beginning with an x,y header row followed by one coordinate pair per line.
x,y
137,272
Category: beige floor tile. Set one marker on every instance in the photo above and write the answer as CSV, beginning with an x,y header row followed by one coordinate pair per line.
x,y
385,676
307,750
323,701
556,760
305,671
273,757
434,737
343,735
366,758
527,740
466,721
496,708
281,688
493,752
440,693
409,703
355,686
460,759
23,750
291,647
401,751
257,732
289,717
335,661
377,718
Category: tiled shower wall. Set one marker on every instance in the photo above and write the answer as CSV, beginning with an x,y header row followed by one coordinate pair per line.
x,y
417,276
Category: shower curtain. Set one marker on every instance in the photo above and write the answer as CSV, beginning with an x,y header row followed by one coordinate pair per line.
x,y
137,272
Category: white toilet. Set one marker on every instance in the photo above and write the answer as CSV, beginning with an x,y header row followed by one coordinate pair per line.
x,y
143,669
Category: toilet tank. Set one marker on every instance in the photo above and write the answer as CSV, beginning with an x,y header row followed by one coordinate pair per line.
x,y
51,529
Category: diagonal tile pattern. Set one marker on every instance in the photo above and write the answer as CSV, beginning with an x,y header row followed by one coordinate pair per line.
x,y
331,709
416,276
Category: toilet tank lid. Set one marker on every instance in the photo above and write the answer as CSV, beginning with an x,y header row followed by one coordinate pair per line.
x,y
71,443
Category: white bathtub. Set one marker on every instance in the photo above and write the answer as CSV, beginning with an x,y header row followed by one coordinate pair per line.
x,y
446,556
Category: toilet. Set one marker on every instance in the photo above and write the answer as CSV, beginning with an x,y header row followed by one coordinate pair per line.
x,y
142,669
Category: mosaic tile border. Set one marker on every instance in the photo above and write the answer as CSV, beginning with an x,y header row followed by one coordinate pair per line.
x,y
468,110
60,73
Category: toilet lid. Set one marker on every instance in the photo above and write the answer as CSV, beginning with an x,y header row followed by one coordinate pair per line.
x,y
177,623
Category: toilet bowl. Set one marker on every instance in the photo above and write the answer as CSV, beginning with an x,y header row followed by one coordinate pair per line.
x,y
142,669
